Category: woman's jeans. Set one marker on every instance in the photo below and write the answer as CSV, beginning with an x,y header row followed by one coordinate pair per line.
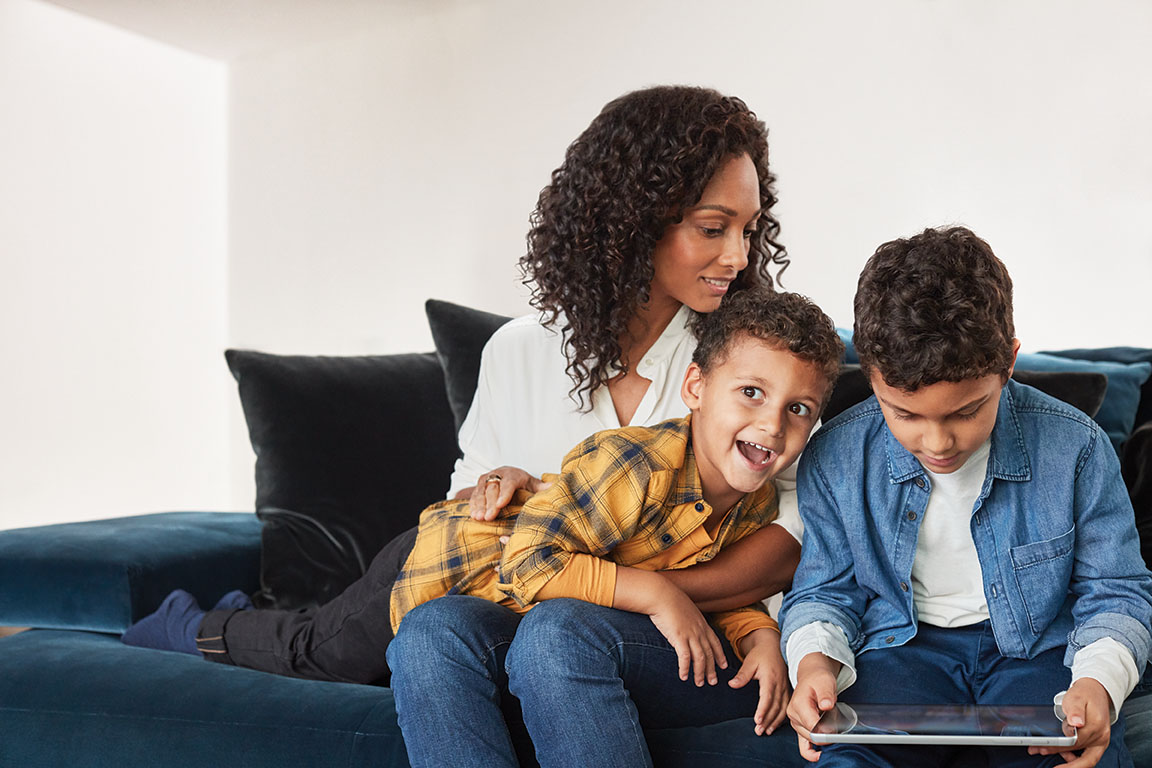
x,y
588,680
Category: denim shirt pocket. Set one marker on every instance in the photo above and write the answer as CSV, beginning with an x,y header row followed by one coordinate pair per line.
x,y
1043,572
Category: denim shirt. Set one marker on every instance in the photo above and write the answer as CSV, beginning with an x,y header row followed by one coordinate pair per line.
x,y
1053,528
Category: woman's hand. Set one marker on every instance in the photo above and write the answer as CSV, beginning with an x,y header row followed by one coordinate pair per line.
x,y
494,490
764,662
1088,709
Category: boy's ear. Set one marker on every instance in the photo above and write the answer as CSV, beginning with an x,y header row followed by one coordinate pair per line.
x,y
1015,354
693,384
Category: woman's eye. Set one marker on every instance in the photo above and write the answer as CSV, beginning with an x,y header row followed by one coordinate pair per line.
x,y
712,231
749,234
751,392
799,409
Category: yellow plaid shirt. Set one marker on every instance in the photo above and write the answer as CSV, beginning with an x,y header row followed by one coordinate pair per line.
x,y
629,496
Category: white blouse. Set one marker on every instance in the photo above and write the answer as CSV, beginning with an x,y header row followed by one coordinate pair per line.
x,y
523,416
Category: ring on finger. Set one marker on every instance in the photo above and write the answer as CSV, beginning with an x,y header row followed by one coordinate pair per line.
x,y
492,479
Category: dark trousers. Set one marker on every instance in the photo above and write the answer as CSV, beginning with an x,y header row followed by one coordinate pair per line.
x,y
957,666
344,640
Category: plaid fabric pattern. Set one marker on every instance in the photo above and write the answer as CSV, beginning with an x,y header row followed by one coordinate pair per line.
x,y
626,495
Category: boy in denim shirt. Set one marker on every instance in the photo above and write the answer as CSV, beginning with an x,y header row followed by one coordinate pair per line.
x,y
968,539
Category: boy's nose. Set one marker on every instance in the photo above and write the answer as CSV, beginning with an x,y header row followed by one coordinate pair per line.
x,y
772,423
936,440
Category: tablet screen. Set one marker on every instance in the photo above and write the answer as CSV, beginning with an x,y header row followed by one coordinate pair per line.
x,y
941,724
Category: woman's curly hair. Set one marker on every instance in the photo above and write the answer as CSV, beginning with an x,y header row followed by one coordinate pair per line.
x,y
642,162
934,307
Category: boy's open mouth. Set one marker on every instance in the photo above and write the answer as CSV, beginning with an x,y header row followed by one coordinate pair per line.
x,y
754,452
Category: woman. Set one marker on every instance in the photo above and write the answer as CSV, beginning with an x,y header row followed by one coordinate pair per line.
x,y
660,208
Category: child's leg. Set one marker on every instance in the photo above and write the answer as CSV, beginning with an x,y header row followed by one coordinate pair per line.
x,y
1035,681
449,683
590,678
343,640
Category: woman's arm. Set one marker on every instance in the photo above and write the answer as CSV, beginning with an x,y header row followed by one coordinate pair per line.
x,y
754,568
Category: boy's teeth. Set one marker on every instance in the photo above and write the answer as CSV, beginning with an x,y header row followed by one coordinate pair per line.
x,y
754,452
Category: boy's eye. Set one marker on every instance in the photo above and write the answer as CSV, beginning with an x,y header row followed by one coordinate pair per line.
x,y
799,409
969,415
751,392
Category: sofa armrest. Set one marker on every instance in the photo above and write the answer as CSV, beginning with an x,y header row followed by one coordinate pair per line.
x,y
105,574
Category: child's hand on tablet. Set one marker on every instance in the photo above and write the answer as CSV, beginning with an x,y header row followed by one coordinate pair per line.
x,y
815,694
1088,710
764,663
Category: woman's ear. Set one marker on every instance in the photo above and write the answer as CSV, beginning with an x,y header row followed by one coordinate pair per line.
x,y
692,387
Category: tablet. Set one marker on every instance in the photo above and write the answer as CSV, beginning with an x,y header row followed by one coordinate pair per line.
x,y
1013,726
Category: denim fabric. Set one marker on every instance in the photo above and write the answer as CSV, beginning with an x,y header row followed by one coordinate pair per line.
x,y
1053,528
958,666
589,679
450,686
613,674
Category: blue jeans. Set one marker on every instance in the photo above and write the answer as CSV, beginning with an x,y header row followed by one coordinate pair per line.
x,y
958,666
589,680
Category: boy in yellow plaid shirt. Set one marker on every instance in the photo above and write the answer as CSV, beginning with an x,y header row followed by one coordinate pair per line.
x,y
627,504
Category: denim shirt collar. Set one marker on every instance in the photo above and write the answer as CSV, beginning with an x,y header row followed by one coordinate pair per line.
x,y
1007,458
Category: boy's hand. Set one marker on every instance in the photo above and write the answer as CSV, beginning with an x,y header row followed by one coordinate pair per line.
x,y
698,650
1087,708
494,490
763,662
815,694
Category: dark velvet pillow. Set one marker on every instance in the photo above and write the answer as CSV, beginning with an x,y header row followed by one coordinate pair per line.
x,y
349,450
460,334
1080,390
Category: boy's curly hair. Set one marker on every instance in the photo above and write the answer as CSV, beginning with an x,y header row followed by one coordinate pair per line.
x,y
788,320
641,163
934,307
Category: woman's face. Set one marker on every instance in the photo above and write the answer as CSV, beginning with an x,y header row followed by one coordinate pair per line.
x,y
695,261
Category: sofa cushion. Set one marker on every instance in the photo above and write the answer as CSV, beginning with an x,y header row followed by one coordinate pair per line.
x,y
349,450
103,575
1117,414
1126,355
78,698
460,334
1080,390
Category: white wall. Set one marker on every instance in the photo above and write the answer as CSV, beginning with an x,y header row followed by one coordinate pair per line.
x,y
371,173
114,396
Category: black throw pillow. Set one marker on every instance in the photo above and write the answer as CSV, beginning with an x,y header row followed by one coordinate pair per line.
x,y
460,334
349,450
1080,390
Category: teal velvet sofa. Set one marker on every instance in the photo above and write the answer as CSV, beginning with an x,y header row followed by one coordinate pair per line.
x,y
72,694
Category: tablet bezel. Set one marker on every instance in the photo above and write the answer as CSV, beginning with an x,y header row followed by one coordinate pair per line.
x,y
879,715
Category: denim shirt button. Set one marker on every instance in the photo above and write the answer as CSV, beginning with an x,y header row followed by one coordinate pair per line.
x,y
890,639
994,594
919,482
699,506
911,515
904,586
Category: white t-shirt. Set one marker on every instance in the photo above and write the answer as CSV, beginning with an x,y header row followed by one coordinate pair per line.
x,y
522,414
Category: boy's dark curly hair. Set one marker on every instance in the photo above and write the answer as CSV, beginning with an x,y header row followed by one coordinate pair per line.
x,y
788,320
934,307
641,163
